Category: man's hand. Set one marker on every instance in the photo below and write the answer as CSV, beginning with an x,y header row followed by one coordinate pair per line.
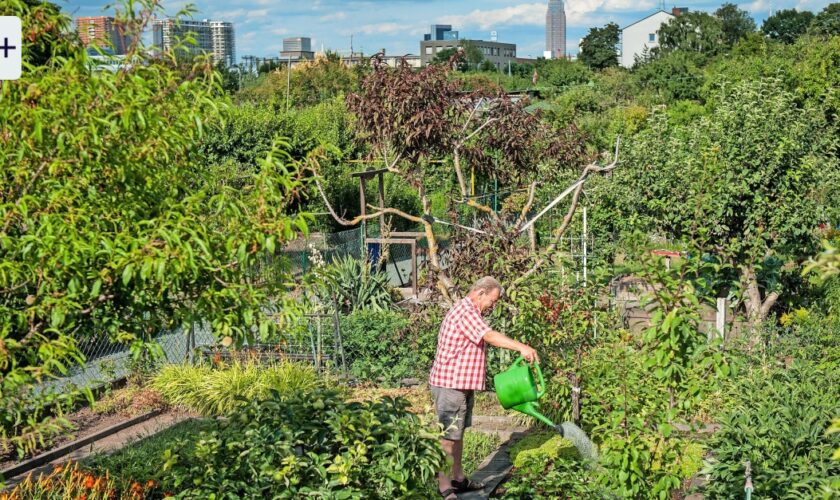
x,y
500,340
529,354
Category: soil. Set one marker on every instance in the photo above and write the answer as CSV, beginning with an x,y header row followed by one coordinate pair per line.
x,y
121,405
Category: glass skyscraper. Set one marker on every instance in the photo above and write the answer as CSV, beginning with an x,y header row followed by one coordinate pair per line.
x,y
555,29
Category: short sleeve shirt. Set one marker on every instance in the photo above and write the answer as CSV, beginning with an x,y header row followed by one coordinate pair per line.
x,y
459,360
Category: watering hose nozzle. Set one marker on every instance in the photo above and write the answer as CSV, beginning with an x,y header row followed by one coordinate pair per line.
x,y
559,429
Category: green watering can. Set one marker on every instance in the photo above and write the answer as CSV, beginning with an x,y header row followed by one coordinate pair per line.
x,y
517,389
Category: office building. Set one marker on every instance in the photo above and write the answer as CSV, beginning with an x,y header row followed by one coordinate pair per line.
x,y
216,38
555,30
440,32
103,32
499,54
297,49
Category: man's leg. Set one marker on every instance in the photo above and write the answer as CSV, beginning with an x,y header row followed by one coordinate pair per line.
x,y
453,450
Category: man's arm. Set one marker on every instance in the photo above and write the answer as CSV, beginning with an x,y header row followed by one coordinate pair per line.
x,y
501,340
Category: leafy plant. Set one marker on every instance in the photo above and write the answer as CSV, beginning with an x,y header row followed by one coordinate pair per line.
x,y
312,444
778,425
352,285
111,226
380,346
218,390
546,466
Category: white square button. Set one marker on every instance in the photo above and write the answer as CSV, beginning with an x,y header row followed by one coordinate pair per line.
x,y
10,47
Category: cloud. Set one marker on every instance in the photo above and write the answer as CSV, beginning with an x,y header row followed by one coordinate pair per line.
x,y
380,29
257,14
338,16
522,14
578,13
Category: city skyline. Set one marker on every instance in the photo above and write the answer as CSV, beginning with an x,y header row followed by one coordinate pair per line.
x,y
399,25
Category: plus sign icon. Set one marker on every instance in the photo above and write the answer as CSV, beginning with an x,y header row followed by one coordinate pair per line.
x,y
10,48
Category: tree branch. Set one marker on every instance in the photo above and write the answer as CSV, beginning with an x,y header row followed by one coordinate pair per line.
x,y
531,192
558,234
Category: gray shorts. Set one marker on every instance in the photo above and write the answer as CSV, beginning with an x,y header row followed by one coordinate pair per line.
x,y
454,409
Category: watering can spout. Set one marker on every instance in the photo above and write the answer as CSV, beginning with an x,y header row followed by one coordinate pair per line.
x,y
531,410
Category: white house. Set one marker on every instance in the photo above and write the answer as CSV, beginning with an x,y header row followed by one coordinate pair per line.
x,y
643,33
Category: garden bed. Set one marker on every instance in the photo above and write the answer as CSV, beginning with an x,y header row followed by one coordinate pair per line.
x,y
112,409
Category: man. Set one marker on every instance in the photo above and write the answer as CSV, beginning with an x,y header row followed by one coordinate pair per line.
x,y
459,370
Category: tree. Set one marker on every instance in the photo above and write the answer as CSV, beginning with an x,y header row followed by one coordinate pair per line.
x,y
598,48
112,228
408,117
736,23
692,32
747,182
787,25
470,59
827,22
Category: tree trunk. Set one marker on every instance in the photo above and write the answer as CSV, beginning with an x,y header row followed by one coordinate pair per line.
x,y
757,306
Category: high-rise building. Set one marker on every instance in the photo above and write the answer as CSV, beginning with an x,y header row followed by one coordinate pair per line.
x,y
213,37
555,30
224,43
104,32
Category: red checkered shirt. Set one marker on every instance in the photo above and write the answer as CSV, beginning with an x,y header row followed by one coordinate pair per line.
x,y
459,361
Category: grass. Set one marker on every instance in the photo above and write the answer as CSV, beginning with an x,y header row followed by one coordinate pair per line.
x,y
477,445
143,460
216,390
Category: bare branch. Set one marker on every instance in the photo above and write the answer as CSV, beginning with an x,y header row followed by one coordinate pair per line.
x,y
558,234
591,168
532,191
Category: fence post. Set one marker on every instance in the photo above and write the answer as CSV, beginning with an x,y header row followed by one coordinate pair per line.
x,y
190,341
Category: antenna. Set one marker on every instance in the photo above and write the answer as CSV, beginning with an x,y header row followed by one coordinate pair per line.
x,y
662,5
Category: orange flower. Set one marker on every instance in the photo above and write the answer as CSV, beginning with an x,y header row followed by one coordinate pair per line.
x,y
89,481
82,497
136,488
150,484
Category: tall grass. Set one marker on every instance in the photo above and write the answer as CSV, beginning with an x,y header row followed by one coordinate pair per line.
x,y
214,391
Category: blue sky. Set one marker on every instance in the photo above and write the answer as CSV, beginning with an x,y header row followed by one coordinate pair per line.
x,y
398,25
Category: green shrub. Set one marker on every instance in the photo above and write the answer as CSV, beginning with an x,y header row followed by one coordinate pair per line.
x,y
381,345
548,466
779,425
313,444
216,391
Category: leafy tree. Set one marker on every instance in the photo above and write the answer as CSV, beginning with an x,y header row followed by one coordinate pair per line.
x,y
747,181
562,72
229,78
827,22
111,227
408,117
736,23
692,32
787,25
672,76
44,40
598,48
471,58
